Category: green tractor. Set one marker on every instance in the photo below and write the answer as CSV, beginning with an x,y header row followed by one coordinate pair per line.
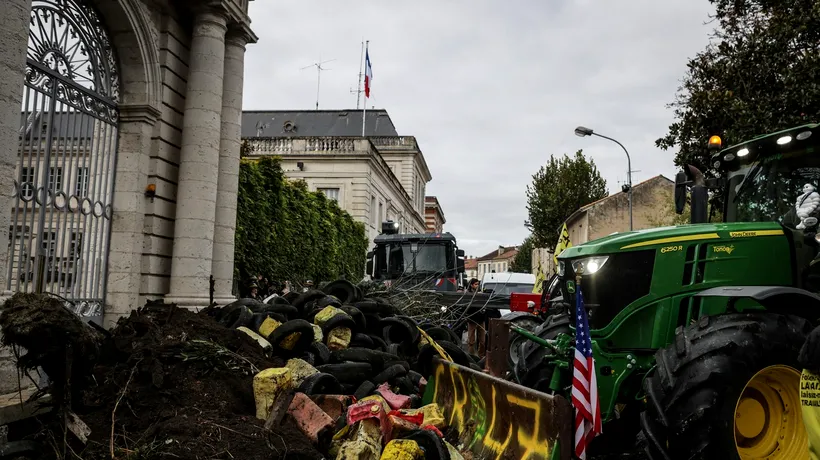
x,y
697,328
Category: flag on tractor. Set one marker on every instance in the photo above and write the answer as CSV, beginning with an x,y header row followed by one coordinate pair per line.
x,y
563,243
584,382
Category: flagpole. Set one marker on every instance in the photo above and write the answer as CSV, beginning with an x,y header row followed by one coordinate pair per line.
x,y
364,109
361,75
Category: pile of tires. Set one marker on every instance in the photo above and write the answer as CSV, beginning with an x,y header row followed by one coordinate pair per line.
x,y
356,343
338,343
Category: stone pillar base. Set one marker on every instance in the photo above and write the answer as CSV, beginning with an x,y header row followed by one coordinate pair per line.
x,y
191,303
222,301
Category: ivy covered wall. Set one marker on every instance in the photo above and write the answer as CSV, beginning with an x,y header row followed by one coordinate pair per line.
x,y
285,232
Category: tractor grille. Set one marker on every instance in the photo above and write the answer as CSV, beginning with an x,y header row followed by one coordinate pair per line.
x,y
624,278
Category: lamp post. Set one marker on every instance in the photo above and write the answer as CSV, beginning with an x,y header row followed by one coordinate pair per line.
x,y
583,132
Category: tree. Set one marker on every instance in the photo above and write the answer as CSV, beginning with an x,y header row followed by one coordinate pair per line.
x,y
761,73
558,189
522,263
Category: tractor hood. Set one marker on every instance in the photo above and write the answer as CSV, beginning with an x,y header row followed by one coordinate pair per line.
x,y
668,236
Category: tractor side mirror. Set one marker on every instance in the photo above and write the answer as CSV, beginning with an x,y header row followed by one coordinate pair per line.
x,y
369,266
680,192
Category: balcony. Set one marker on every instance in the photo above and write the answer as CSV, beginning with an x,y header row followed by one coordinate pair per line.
x,y
308,145
395,143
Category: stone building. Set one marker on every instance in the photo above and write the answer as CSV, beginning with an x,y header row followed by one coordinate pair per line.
x,y
651,202
119,144
433,215
379,177
498,261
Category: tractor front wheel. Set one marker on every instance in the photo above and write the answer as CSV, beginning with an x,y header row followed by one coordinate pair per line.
x,y
728,388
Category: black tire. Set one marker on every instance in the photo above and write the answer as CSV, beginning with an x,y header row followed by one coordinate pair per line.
x,y
378,342
238,317
320,352
365,389
523,320
434,448
457,353
328,301
357,315
348,373
259,318
306,297
692,394
415,401
282,309
342,289
396,330
320,383
444,334
530,370
362,355
362,341
340,320
393,372
304,328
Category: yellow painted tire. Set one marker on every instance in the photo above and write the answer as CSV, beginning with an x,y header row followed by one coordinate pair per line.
x,y
728,387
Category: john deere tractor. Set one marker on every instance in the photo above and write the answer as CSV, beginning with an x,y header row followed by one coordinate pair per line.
x,y
697,328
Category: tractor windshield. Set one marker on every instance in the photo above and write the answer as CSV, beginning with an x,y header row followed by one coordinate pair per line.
x,y
771,187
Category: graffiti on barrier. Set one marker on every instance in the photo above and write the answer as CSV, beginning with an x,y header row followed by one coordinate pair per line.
x,y
499,419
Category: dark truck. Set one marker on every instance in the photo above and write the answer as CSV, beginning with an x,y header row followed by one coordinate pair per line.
x,y
416,261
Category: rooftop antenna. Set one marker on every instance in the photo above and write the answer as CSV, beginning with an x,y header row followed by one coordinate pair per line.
x,y
359,89
319,70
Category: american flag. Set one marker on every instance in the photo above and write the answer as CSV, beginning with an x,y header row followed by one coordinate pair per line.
x,y
584,383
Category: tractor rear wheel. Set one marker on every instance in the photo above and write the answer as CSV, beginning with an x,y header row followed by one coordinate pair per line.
x,y
728,388
531,369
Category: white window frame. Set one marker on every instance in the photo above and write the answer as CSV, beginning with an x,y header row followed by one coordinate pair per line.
x,y
331,193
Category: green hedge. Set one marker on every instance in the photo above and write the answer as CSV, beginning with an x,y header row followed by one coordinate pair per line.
x,y
286,232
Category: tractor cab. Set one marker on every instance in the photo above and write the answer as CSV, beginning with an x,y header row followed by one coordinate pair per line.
x,y
771,178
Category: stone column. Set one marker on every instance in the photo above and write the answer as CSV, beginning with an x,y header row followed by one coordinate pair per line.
x,y
199,163
225,221
127,224
14,24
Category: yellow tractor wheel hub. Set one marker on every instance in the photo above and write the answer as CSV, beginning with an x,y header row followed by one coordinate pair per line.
x,y
768,417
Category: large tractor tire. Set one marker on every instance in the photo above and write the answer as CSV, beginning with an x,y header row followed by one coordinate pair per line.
x,y
524,320
728,388
530,369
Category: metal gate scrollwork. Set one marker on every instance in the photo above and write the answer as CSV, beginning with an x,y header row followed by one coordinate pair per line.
x,y
61,218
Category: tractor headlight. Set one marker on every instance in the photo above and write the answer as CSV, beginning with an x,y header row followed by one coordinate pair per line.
x,y
589,265
561,270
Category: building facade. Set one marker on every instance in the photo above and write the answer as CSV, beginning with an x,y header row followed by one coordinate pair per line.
x,y
651,207
433,215
120,145
119,151
379,177
498,261
470,268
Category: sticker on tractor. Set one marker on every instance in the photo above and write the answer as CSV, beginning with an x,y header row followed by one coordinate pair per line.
x,y
671,249
571,287
726,249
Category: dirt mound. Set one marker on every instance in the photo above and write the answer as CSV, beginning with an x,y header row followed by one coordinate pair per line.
x,y
179,385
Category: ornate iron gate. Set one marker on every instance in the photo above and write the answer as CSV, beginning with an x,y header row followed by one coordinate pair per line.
x,y
61,218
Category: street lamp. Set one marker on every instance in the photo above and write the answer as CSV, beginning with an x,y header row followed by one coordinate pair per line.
x,y
582,131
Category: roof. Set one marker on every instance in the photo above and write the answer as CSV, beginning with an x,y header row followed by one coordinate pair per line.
x,y
62,126
509,252
431,237
319,123
471,264
431,202
606,198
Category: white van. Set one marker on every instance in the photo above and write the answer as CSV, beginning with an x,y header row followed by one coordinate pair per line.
x,y
506,284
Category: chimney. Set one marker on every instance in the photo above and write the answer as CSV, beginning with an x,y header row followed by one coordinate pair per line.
x,y
500,250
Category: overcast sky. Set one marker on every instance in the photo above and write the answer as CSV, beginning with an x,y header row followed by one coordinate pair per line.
x,y
489,88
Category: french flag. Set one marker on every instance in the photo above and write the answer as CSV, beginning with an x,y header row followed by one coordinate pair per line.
x,y
368,74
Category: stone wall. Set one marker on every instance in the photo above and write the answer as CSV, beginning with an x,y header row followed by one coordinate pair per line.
x,y
610,215
367,182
